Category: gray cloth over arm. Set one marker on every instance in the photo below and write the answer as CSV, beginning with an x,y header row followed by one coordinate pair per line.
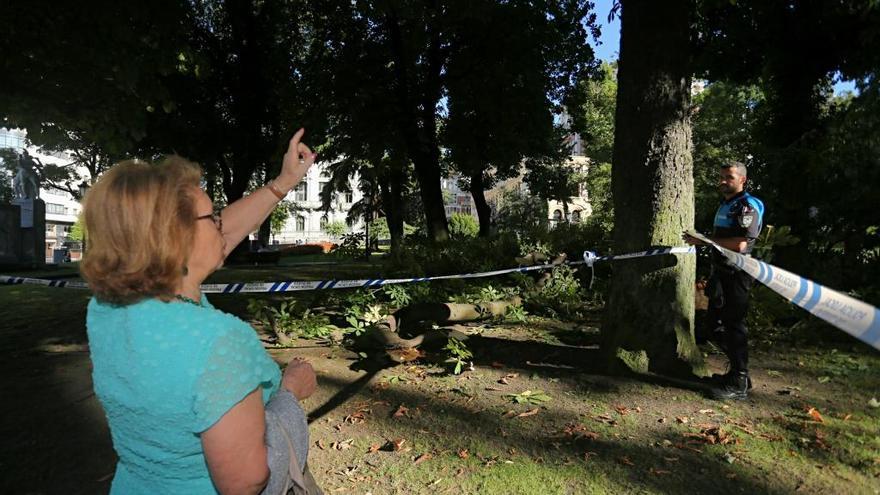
x,y
284,411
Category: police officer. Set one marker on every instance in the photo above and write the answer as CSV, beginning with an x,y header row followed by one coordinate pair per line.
x,y
737,225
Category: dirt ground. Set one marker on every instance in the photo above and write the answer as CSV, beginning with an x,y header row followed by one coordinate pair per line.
x,y
414,428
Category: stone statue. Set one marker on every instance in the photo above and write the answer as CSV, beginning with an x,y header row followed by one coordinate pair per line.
x,y
26,184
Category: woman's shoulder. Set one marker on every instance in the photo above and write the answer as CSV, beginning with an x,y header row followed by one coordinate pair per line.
x,y
174,313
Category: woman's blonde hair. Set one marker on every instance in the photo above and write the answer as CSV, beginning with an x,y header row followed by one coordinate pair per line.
x,y
139,221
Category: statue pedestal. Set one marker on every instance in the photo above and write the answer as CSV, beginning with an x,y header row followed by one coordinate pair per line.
x,y
27,211
10,235
31,232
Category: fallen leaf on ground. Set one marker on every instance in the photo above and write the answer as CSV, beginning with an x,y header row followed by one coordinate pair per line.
x,y
343,445
824,379
687,447
713,434
374,448
357,417
401,411
463,454
528,413
579,431
659,472
622,410
682,419
625,460
814,413
405,355
422,458
707,411
320,444
397,445
493,389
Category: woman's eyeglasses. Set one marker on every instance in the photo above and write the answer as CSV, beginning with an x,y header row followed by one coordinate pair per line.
x,y
216,218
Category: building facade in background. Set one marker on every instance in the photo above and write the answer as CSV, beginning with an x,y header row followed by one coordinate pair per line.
x,y
307,224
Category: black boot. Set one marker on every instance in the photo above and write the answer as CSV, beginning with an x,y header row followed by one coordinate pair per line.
x,y
736,387
721,380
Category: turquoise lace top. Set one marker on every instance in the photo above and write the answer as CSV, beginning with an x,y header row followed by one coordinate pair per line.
x,y
164,373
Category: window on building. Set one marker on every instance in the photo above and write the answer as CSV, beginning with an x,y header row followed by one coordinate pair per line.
x,y
55,208
323,223
12,139
576,216
301,193
300,224
349,198
557,215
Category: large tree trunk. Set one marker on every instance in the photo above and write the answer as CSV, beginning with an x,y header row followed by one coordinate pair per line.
x,y
484,213
392,201
417,100
428,175
648,322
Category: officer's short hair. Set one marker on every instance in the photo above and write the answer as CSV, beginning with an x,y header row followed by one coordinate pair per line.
x,y
739,166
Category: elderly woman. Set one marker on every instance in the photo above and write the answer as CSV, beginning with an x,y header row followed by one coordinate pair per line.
x,y
184,386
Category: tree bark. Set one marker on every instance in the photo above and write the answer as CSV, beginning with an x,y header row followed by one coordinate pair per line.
x,y
391,188
417,99
484,213
649,319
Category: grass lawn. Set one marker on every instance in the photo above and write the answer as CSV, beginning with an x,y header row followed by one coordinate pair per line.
x,y
808,427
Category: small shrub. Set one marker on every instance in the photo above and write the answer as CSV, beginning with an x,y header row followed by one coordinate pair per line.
x,y
356,326
398,295
476,294
356,302
562,296
458,354
351,247
336,229
515,314
462,225
288,321
419,257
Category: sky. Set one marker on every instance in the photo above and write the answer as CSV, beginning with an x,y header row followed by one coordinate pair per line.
x,y
610,41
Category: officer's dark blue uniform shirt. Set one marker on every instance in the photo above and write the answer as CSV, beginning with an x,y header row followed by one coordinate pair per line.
x,y
740,216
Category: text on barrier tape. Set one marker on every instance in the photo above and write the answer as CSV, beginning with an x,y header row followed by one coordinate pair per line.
x,y
857,318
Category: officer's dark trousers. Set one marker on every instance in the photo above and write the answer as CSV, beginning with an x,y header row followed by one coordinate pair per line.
x,y
728,292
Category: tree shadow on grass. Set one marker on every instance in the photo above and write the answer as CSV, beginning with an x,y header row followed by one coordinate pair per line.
x,y
448,422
